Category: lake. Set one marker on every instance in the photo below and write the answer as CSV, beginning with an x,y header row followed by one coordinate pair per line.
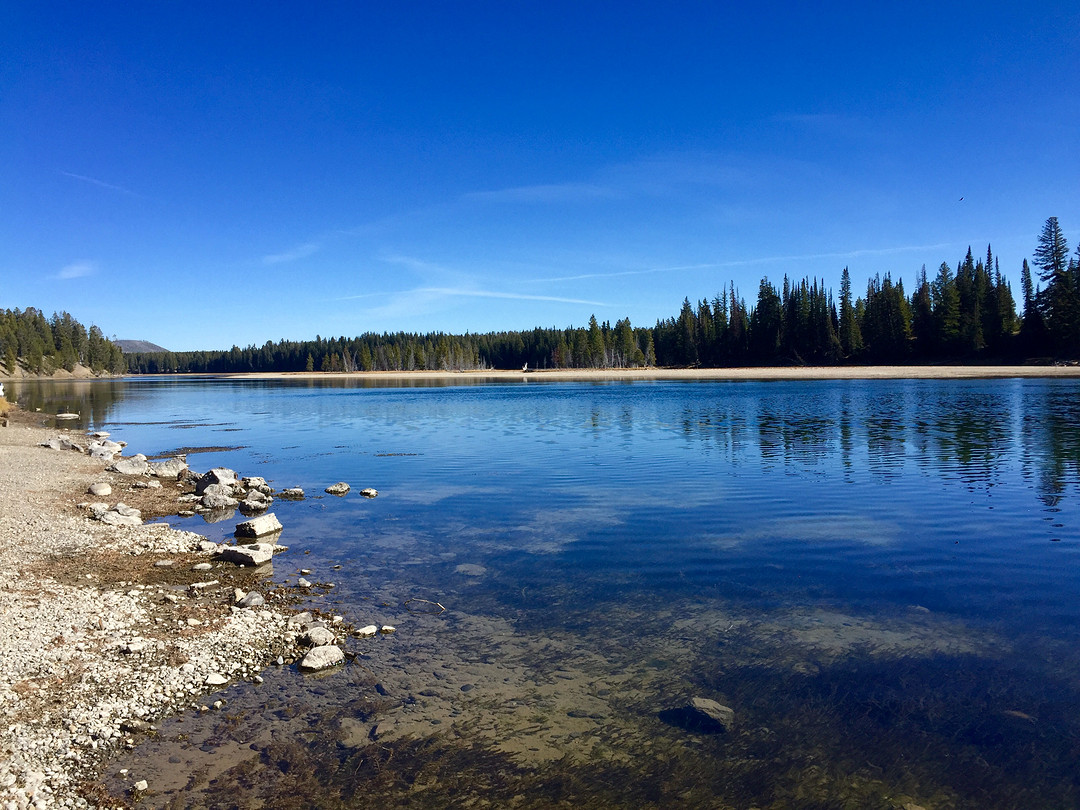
x,y
879,577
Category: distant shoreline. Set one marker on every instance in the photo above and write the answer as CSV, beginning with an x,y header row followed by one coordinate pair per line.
x,y
758,373
629,374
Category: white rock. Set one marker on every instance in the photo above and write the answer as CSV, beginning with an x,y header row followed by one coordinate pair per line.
x,y
322,658
216,679
319,636
254,554
260,526
364,632
340,488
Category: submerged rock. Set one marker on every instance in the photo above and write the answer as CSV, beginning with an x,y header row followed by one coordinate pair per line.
x,y
711,715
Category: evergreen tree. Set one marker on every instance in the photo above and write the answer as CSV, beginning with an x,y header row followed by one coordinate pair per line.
x,y
766,324
1060,300
851,343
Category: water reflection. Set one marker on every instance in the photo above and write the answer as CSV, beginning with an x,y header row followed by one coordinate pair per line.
x,y
861,569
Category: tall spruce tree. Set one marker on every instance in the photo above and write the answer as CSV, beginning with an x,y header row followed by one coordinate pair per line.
x,y
851,342
1060,300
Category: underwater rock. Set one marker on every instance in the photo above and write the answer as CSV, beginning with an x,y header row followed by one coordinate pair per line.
x,y
710,712
702,716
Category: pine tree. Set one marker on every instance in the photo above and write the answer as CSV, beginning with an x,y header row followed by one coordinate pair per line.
x,y
851,342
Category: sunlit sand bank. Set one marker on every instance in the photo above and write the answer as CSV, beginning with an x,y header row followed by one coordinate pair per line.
x,y
762,373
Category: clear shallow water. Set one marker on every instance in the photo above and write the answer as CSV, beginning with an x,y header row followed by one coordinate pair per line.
x,y
879,577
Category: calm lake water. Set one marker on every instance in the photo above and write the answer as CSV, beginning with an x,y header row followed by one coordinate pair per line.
x,y
880,577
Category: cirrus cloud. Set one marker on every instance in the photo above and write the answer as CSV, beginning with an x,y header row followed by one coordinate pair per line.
x,y
77,270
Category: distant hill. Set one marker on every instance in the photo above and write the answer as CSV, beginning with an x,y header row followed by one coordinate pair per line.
x,y
132,346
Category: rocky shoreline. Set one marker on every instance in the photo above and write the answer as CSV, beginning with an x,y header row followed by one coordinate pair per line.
x,y
108,625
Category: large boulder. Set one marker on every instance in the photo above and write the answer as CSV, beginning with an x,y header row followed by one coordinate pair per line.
x,y
259,526
132,465
218,475
169,468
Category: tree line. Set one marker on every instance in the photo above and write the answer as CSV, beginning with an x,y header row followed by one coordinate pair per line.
x,y
960,314
44,345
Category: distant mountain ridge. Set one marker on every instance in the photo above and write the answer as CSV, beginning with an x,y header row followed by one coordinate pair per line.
x,y
133,346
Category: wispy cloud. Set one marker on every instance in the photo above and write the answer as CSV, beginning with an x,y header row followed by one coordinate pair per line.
x,y
77,270
102,184
848,254
433,293
543,193
470,293
298,252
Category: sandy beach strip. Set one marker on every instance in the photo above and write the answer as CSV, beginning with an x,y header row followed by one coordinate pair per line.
x,y
720,374
103,629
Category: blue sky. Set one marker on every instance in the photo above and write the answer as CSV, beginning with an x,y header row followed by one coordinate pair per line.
x,y
202,175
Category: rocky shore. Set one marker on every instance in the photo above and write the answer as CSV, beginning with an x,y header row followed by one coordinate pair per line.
x,y
107,625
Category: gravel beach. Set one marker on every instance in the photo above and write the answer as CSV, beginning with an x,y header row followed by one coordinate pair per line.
x,y
105,629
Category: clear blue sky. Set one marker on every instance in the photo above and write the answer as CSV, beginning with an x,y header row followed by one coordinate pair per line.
x,y
204,174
